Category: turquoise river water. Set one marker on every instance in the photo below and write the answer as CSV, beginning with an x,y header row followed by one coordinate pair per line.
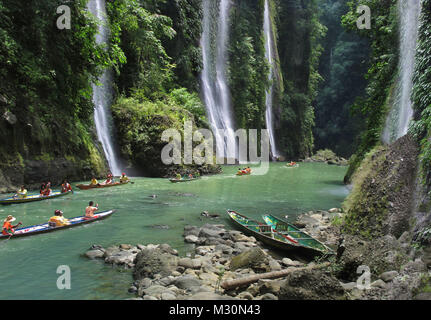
x,y
28,265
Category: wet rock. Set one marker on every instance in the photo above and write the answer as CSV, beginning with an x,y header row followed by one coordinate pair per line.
x,y
269,286
348,286
267,296
191,239
190,263
95,254
245,296
121,258
150,298
291,263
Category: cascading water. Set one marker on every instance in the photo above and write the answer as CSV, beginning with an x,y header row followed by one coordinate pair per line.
x,y
102,95
397,123
214,78
269,94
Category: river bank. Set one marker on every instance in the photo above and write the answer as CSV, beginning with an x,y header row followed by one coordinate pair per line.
x,y
226,264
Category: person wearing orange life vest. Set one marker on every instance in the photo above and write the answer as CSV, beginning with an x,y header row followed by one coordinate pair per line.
x,y
8,228
58,220
66,187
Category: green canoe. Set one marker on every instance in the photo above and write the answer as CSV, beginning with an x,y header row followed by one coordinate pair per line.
x,y
304,239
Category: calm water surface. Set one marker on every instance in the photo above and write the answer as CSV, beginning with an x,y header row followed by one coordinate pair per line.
x,y
28,265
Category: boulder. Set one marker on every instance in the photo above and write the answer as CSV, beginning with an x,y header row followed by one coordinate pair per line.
x,y
254,258
311,285
388,276
95,254
151,262
187,282
121,258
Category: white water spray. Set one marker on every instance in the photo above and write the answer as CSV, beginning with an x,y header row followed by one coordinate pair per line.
x,y
214,76
397,123
102,95
269,94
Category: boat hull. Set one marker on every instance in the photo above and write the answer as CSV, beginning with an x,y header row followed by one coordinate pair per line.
x,y
32,198
182,180
45,228
100,186
302,237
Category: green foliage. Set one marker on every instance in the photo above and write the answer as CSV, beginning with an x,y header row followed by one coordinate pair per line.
x,y
342,66
299,45
421,127
46,76
383,39
139,33
248,69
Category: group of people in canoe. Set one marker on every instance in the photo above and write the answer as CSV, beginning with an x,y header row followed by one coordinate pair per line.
x,y
110,180
178,176
244,171
57,220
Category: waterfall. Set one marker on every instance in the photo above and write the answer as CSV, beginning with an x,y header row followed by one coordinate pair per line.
x,y
214,75
269,94
398,120
102,95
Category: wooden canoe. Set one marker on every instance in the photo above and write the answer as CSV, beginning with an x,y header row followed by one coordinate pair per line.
x,y
269,236
45,228
302,237
99,186
34,197
174,180
243,174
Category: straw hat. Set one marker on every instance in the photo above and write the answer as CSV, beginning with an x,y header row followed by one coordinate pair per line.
x,y
9,219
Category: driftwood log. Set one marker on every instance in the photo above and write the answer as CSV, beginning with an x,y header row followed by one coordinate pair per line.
x,y
231,284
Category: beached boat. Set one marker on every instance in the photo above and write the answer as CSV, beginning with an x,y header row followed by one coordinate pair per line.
x,y
268,235
45,228
33,197
99,185
302,237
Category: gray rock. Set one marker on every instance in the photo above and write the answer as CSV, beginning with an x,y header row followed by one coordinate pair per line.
x,y
348,286
267,296
168,296
95,254
187,282
209,296
245,296
388,276
151,262
379,284
121,258
191,239
149,298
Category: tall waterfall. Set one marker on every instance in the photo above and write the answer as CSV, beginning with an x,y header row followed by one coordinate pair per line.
x,y
214,78
102,95
397,123
269,45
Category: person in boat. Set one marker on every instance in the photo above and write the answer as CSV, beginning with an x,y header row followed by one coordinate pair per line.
x,y
239,172
124,178
66,187
48,190
198,175
191,176
109,180
91,209
94,182
21,193
177,176
244,171
57,220
248,170
9,229
42,188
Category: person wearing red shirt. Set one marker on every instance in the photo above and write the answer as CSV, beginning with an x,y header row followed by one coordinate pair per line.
x,y
8,228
